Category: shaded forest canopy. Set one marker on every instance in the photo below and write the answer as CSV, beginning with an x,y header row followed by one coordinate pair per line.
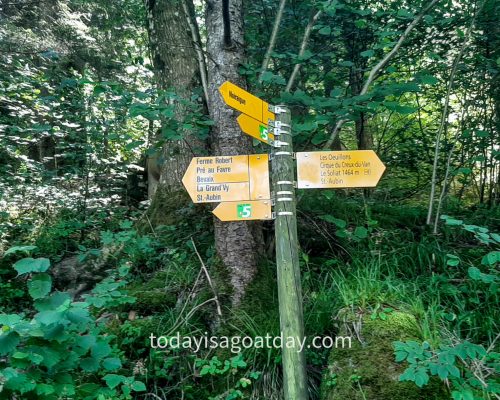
x,y
103,104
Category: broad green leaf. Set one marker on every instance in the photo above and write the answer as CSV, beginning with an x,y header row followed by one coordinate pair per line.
x,y
9,319
53,301
86,342
89,364
467,395
8,342
40,286
22,383
113,380
78,315
27,265
49,317
44,389
138,386
491,258
17,249
100,350
50,356
421,377
401,356
452,260
112,364
361,232
475,273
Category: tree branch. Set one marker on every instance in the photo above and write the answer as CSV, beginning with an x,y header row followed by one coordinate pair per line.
x,y
303,47
380,65
272,42
444,120
195,35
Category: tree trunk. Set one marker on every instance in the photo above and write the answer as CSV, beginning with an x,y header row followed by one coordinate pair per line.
x,y
239,244
176,68
363,135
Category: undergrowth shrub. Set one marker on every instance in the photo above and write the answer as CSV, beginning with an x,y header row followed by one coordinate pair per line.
x,y
60,347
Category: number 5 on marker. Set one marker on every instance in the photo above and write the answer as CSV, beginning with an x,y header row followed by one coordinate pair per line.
x,y
264,133
244,211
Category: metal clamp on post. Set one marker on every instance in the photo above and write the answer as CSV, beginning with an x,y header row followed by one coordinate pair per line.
x,y
277,109
279,124
285,213
279,143
279,131
286,183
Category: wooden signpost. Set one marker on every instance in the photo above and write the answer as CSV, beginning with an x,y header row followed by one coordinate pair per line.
x,y
241,185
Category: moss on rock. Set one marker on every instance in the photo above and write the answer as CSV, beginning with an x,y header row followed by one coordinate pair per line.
x,y
153,295
367,370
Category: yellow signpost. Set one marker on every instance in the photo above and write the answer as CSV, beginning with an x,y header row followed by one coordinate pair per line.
x,y
244,210
228,178
255,128
241,185
247,103
338,169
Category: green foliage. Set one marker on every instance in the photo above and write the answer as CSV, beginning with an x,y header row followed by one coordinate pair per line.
x,y
58,347
230,368
470,368
79,111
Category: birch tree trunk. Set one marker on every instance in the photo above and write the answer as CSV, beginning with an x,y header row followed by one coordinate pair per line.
x,y
239,244
176,66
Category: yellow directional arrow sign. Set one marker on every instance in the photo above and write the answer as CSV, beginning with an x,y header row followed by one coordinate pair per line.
x,y
255,128
243,210
228,178
338,169
247,103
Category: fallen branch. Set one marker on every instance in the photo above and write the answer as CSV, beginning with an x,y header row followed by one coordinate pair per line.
x,y
205,270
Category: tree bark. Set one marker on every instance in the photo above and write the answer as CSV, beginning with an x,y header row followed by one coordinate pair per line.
x,y
177,68
239,244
